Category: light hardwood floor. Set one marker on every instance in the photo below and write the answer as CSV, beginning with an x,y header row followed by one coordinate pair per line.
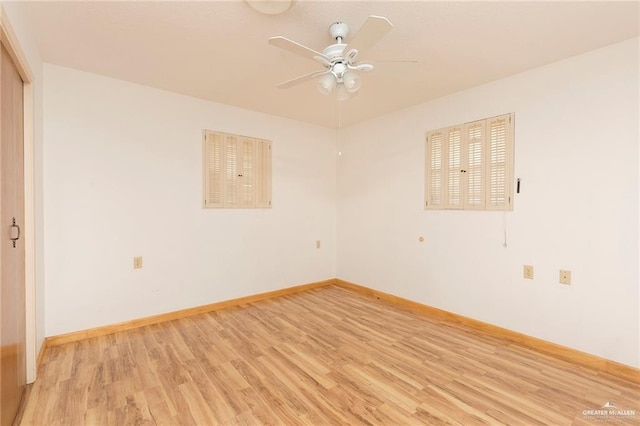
x,y
324,356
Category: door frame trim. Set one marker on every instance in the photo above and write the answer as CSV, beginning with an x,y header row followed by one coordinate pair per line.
x,y
10,41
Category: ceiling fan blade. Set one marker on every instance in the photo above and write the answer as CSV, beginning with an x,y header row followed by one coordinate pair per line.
x,y
394,67
373,29
297,48
301,79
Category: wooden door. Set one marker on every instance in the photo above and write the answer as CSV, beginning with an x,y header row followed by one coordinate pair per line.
x,y
12,286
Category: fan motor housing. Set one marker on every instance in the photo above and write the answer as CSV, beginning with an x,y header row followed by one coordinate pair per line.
x,y
334,51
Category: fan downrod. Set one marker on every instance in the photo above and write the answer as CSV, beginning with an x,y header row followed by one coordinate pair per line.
x,y
339,31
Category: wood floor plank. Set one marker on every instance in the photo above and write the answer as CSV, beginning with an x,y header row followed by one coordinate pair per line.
x,y
326,356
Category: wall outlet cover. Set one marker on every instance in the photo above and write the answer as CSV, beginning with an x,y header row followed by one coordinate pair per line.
x,y
527,272
565,277
137,262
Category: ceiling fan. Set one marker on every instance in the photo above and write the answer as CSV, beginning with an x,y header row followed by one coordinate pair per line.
x,y
340,60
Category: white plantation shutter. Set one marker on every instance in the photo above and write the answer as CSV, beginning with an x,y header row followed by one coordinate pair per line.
x,y
454,167
213,166
237,171
434,170
230,156
470,166
246,173
474,169
499,159
443,156
263,174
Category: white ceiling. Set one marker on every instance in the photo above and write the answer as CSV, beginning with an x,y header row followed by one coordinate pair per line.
x,y
217,50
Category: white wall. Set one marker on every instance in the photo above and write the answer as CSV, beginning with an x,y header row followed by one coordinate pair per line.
x,y
35,296
123,178
122,170
577,155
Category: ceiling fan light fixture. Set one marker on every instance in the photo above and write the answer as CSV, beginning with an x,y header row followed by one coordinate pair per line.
x,y
342,94
271,7
338,69
326,84
352,81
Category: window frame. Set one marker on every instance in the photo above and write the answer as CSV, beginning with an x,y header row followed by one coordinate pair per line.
x,y
487,184
236,171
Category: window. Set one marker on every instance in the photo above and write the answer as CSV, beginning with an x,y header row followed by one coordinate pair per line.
x,y
470,166
237,171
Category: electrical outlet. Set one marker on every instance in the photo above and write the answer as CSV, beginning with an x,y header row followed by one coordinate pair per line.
x,y
318,244
565,277
527,272
137,262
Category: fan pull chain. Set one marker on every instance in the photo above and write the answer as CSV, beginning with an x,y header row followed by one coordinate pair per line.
x,y
504,228
339,126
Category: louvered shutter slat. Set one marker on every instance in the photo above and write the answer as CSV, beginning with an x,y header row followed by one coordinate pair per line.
x,y
231,171
454,167
435,169
214,177
475,134
263,174
498,168
246,173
